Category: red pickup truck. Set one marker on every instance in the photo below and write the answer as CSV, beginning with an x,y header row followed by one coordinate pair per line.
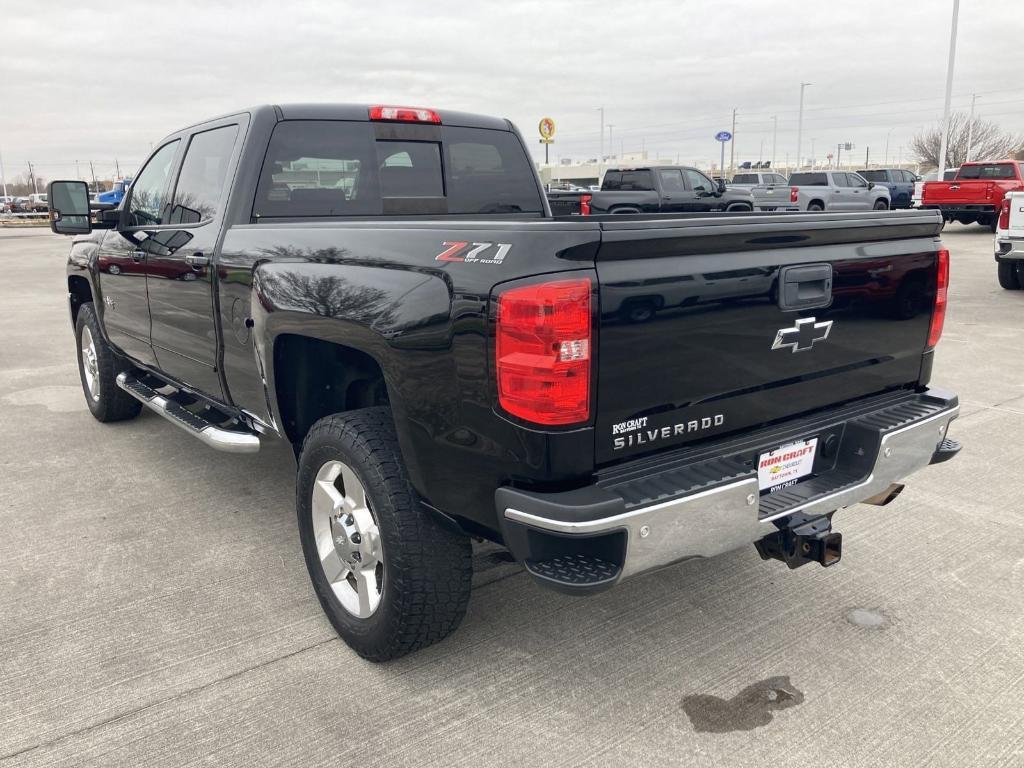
x,y
976,192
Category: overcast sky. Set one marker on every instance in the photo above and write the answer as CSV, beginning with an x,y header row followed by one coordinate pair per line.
x,y
91,81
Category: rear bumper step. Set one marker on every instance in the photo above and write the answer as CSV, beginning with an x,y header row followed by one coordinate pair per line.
x,y
658,511
233,438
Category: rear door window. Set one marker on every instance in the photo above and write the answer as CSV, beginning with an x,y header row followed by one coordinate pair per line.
x,y
317,168
671,181
636,181
203,171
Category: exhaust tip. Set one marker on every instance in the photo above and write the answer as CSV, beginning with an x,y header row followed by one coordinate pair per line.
x,y
883,498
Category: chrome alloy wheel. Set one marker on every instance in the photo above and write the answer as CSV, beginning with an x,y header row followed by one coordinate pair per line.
x,y
90,366
347,539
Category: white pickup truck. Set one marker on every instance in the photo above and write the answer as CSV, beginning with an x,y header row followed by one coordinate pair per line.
x,y
1009,241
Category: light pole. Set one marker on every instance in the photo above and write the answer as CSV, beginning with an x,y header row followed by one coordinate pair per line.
x,y
600,157
970,128
775,136
812,152
800,124
611,141
3,178
732,144
949,89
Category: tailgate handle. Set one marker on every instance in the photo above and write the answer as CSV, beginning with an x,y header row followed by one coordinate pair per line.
x,y
807,286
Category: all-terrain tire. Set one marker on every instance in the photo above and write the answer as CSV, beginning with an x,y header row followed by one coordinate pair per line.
x,y
1008,276
427,568
98,367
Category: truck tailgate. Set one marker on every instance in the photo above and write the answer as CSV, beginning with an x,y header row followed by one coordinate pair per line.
x,y
953,192
694,341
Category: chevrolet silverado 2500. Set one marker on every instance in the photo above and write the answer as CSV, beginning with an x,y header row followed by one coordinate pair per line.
x,y
385,289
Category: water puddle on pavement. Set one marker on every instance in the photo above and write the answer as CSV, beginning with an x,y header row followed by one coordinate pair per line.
x,y
867,618
751,708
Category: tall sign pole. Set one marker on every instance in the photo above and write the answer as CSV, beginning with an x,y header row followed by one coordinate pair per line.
x,y
970,128
949,90
732,144
775,136
3,178
800,124
721,137
546,129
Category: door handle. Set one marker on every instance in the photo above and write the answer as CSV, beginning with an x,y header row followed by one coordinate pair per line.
x,y
138,256
196,260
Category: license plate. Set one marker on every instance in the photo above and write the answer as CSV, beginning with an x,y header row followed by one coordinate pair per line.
x,y
785,466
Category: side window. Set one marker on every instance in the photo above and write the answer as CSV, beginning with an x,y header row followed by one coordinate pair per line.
x,y
201,180
671,181
777,179
637,181
612,181
145,207
697,180
840,180
856,181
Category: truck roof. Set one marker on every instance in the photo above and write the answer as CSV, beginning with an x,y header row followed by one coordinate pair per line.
x,y
359,112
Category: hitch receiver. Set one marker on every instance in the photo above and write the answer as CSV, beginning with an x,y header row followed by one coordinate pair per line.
x,y
803,541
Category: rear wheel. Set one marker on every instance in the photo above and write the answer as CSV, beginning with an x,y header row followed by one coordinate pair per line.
x,y
815,206
1009,276
98,367
389,577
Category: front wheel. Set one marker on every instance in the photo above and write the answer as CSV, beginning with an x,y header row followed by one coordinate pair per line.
x,y
1009,276
98,367
389,577
881,205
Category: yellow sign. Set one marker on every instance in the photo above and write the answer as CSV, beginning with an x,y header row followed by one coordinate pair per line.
x,y
547,130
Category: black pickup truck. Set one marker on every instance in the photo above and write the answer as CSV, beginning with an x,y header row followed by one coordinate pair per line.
x,y
653,189
385,289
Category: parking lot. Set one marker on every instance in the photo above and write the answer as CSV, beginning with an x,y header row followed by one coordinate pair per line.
x,y
156,610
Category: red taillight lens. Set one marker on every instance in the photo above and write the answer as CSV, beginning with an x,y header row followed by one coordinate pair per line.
x,y
404,114
941,290
543,352
585,204
794,194
1004,214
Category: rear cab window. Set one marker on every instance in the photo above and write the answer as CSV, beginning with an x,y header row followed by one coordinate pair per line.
x,y
335,168
809,179
1000,171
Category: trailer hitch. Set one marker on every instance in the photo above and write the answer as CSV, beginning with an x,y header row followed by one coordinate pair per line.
x,y
803,540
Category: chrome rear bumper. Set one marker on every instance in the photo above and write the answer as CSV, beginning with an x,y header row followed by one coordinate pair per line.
x,y
733,513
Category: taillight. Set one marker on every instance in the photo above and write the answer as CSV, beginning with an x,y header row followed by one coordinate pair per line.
x,y
794,194
404,114
585,204
941,290
542,352
1004,214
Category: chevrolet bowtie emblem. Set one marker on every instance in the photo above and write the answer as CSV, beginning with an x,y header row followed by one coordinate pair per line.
x,y
802,336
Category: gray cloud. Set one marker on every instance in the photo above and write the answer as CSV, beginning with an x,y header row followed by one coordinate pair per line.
x,y
101,82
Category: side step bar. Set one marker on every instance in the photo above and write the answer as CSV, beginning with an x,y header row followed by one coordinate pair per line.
x,y
221,438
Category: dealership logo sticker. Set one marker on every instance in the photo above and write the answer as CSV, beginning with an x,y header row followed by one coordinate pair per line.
x,y
473,253
784,466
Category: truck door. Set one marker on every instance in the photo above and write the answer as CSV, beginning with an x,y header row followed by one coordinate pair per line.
x,y
702,190
121,260
861,198
181,260
842,192
675,196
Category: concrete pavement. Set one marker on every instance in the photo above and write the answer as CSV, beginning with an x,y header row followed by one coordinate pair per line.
x,y
155,609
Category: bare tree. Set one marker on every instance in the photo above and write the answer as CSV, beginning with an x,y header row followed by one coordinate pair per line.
x,y
988,142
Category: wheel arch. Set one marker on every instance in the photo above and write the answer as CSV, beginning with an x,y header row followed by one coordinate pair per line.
x,y
79,293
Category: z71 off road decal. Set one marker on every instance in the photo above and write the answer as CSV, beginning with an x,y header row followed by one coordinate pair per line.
x,y
477,253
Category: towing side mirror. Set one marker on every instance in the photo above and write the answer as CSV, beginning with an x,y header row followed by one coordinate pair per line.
x,y
871,185
69,207
721,186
